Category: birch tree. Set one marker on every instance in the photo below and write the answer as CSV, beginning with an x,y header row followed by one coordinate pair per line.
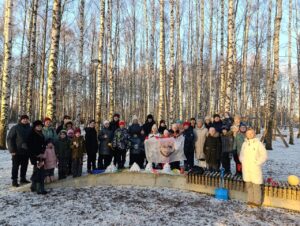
x,y
273,82
100,65
6,72
111,75
53,60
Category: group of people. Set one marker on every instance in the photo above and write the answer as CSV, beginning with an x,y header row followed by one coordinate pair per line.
x,y
213,142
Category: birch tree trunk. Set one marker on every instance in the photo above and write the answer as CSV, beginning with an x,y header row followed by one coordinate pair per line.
x,y
230,56
6,72
298,63
222,64
291,80
179,62
109,45
210,69
80,73
53,59
202,113
148,78
245,60
100,65
162,66
42,70
273,83
172,62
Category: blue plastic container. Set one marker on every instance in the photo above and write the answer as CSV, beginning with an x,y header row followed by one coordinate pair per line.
x,y
98,171
221,193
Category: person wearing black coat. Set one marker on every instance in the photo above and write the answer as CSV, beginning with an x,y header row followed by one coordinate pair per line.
x,y
62,126
213,150
162,126
91,144
105,153
227,148
217,123
227,121
189,145
36,146
136,145
114,124
17,146
148,124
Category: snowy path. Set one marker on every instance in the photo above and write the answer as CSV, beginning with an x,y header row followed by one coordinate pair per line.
x,y
133,206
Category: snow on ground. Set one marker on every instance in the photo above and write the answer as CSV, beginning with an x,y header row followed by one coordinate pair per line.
x,y
125,205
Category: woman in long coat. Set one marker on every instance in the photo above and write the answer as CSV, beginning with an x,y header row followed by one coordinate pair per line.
x,y
200,136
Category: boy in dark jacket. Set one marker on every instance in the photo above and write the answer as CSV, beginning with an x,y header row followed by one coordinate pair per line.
x,y
213,150
114,124
189,145
105,154
63,152
91,144
17,146
227,148
78,150
38,177
120,144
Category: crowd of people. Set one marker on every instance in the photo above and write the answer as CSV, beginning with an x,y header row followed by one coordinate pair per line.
x,y
212,142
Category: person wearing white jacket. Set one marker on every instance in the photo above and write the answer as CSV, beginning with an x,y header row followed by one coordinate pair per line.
x,y
200,136
253,155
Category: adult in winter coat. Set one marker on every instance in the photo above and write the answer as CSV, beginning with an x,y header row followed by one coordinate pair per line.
x,y
227,148
48,131
136,146
207,122
227,121
114,124
91,144
200,136
162,126
78,150
62,126
189,147
217,123
193,123
148,124
36,146
237,147
253,155
105,143
63,152
213,150
120,144
17,146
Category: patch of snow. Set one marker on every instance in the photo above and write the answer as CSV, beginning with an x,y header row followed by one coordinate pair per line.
x,y
111,168
135,168
167,168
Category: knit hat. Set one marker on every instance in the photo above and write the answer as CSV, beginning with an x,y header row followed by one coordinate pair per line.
x,y
178,121
24,117
77,130
63,131
37,123
162,121
122,123
216,115
186,124
134,117
47,119
105,122
149,116
69,123
116,115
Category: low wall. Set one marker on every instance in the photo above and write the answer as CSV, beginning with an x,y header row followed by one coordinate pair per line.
x,y
286,198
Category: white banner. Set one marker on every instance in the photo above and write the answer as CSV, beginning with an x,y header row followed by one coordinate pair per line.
x,y
164,150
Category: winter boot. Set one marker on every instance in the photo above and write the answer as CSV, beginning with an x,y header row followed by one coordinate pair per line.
x,y
15,183
24,181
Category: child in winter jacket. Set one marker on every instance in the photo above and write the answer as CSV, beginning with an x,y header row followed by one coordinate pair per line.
x,y
50,161
237,147
78,149
38,177
227,148
63,152
120,144
213,150
252,156
189,145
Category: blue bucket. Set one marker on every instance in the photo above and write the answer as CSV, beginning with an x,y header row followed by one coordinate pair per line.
x,y
98,171
221,193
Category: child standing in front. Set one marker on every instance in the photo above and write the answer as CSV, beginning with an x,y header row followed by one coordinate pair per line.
x,y
253,155
63,152
50,161
78,150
